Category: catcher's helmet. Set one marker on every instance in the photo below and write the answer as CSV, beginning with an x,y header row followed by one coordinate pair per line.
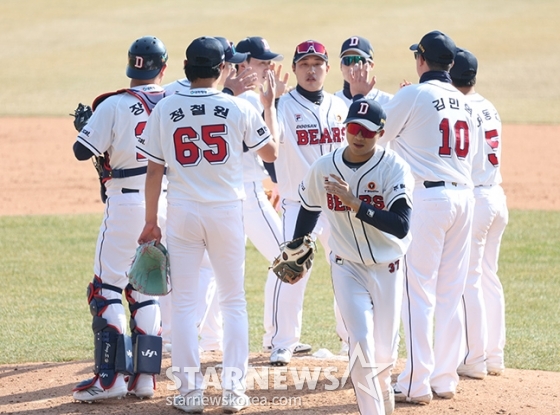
x,y
146,57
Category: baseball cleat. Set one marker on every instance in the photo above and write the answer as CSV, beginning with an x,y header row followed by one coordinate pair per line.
x,y
302,348
95,393
417,400
144,387
474,371
445,395
191,403
233,402
495,370
280,357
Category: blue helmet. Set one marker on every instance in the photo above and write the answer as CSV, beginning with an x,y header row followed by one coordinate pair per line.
x,y
146,57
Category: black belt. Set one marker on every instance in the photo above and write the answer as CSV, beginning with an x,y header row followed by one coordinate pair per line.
x,y
125,190
122,173
441,183
428,184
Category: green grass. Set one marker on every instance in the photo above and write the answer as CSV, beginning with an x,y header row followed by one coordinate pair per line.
x,y
46,265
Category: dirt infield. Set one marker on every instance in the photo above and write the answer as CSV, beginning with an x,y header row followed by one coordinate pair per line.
x,y
41,176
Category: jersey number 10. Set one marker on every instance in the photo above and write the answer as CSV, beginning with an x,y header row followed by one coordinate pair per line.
x,y
460,134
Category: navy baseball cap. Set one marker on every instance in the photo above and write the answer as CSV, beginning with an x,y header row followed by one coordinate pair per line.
x,y
465,66
258,48
437,47
368,113
358,44
231,55
205,51
310,48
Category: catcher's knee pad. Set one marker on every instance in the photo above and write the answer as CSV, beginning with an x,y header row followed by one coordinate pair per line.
x,y
98,303
112,352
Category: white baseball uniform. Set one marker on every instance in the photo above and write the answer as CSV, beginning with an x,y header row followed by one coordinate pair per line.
x,y
307,131
366,263
430,125
484,304
382,98
199,135
114,129
210,326
262,225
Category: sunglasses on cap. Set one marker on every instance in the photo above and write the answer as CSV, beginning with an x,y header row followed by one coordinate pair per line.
x,y
355,128
351,60
310,46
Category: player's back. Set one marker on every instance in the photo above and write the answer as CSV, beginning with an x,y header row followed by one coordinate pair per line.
x,y
202,134
486,164
431,126
180,85
115,127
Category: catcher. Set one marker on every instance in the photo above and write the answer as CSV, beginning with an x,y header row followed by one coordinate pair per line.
x,y
365,192
112,133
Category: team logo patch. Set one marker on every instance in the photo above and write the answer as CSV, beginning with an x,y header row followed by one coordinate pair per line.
x,y
338,118
371,186
261,131
298,117
370,213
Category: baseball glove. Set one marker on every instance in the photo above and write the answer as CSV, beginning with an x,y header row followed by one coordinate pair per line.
x,y
149,271
292,263
81,116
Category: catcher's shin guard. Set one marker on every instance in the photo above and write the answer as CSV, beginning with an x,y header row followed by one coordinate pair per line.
x,y
147,348
112,349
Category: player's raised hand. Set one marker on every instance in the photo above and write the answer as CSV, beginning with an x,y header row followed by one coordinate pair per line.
x,y
240,82
281,81
359,79
268,90
404,83
341,189
150,232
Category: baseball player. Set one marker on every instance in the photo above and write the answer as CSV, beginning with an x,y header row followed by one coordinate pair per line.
x,y
199,135
354,50
430,125
210,326
365,193
483,300
114,131
265,227
311,125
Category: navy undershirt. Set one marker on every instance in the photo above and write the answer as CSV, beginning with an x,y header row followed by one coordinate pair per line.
x,y
315,97
81,152
346,90
442,76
